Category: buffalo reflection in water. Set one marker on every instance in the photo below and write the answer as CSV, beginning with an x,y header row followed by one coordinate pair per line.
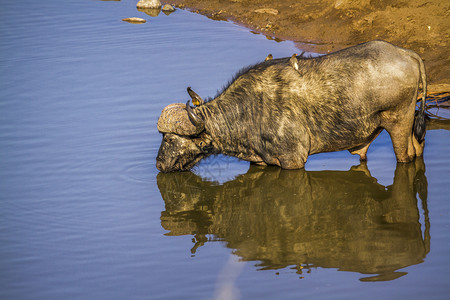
x,y
306,219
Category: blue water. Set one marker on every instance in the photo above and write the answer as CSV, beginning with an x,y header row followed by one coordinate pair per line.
x,y
85,214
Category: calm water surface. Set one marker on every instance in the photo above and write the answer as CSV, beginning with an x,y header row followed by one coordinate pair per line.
x,y
84,213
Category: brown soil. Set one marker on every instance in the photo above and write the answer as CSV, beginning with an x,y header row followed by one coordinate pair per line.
x,y
328,25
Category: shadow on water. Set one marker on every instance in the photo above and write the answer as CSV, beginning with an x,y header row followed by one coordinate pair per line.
x,y
306,219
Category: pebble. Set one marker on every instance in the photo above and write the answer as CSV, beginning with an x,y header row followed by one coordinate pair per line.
x,y
271,11
168,7
134,20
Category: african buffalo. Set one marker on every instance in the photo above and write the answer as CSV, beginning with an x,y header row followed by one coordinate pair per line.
x,y
273,113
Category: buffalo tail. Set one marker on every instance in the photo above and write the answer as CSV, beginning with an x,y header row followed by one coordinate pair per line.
x,y
419,119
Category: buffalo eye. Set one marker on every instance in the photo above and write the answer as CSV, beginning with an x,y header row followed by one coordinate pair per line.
x,y
204,146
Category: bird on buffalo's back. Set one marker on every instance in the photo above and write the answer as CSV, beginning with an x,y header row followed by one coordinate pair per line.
x,y
294,61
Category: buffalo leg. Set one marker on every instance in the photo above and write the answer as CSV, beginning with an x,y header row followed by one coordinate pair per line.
x,y
362,150
293,161
401,136
399,126
400,141
418,147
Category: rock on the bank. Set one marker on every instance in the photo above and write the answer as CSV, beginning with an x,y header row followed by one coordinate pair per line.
x,y
168,7
271,11
148,4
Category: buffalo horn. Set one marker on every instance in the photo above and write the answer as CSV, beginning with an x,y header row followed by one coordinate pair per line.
x,y
196,99
198,123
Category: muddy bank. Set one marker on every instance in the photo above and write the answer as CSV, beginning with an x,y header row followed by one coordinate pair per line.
x,y
328,25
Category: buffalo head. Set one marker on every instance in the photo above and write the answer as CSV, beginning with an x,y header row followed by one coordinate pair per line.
x,y
185,141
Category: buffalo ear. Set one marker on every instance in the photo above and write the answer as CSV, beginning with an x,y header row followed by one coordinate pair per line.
x,y
196,99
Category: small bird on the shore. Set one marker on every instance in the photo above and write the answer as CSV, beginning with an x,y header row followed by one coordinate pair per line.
x,y
294,61
269,57
196,99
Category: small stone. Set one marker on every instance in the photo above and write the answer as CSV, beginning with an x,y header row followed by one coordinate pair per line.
x,y
168,7
271,11
134,20
148,4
